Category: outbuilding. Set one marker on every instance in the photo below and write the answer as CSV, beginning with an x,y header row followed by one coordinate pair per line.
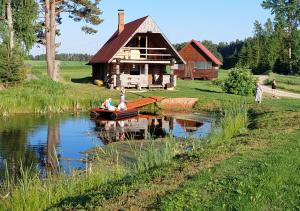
x,y
200,62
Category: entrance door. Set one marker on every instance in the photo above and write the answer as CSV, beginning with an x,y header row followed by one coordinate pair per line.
x,y
188,69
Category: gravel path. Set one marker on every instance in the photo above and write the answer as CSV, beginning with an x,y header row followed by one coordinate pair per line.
x,y
278,93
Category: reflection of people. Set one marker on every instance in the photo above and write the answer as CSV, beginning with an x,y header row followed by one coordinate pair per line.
x,y
259,93
274,86
122,130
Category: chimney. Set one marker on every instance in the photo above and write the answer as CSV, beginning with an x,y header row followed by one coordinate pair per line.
x,y
121,21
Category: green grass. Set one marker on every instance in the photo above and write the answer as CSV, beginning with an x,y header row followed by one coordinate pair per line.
x,y
251,163
75,91
264,180
289,83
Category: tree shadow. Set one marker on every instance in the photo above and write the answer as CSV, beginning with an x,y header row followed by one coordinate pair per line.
x,y
85,80
208,90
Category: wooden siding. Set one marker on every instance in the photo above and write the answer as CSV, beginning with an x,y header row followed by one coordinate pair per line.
x,y
197,74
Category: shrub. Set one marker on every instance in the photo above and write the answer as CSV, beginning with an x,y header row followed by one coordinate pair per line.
x,y
240,82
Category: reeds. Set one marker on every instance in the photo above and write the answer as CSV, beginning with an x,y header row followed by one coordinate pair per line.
x,y
156,153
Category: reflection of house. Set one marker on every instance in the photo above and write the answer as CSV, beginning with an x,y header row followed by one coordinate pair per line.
x,y
133,129
137,55
201,63
189,125
142,127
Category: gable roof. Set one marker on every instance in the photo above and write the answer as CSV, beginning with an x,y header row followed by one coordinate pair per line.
x,y
117,41
207,52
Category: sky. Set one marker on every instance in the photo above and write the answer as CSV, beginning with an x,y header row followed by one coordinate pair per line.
x,y
180,21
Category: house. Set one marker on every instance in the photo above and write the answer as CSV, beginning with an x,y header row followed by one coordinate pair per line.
x,y
138,55
200,62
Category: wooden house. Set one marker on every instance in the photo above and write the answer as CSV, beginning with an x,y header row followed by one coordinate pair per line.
x,y
200,62
138,54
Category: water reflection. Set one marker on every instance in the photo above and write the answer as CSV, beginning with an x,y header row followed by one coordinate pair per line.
x,y
56,142
145,127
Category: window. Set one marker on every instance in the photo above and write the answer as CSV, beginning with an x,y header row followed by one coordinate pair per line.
x,y
137,69
203,65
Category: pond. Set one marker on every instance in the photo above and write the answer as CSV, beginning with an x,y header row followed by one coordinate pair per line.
x,y
48,142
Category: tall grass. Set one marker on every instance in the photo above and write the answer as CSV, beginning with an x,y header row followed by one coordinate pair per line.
x,y
157,153
33,193
42,96
234,119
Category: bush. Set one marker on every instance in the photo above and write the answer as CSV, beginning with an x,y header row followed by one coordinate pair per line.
x,y
240,82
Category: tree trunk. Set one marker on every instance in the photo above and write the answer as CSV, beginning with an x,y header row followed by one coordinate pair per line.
x,y
50,22
290,28
47,36
10,25
52,39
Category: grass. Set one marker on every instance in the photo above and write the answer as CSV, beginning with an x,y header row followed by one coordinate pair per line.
x,y
252,162
264,180
76,92
289,83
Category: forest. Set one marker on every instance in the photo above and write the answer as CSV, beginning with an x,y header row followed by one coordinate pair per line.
x,y
273,47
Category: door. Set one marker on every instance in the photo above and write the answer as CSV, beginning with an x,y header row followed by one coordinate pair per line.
x,y
188,69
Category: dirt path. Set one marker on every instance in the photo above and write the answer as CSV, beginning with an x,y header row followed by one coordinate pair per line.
x,y
278,93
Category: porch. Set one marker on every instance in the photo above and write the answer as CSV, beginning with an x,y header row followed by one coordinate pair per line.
x,y
144,81
137,75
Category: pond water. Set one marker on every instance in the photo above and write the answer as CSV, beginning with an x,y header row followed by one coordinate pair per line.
x,y
59,141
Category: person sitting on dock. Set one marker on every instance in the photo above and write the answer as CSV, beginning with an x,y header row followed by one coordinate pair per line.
x,y
107,104
110,105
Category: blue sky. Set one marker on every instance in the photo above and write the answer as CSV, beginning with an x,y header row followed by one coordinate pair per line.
x,y
216,20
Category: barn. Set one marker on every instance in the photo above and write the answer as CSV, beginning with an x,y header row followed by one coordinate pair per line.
x,y
138,54
200,62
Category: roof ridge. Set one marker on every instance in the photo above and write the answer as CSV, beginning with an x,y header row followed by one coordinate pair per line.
x,y
207,52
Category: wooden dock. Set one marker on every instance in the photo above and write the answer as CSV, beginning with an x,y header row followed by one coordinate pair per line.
x,y
143,102
132,109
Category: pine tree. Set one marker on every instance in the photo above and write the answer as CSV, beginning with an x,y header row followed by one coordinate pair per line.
x,y
78,10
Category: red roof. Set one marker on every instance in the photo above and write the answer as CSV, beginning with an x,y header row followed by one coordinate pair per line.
x,y
111,47
207,52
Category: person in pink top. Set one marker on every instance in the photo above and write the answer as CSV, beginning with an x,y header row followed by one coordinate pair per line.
x,y
122,106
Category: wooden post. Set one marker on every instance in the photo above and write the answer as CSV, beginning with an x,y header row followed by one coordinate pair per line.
x,y
146,69
146,47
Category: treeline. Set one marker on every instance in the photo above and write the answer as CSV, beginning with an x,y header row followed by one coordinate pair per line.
x,y
64,57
